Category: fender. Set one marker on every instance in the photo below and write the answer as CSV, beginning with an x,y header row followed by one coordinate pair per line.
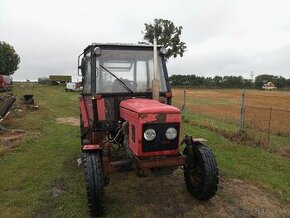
x,y
84,114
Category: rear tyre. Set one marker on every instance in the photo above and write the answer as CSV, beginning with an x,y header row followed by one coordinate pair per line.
x,y
94,182
201,173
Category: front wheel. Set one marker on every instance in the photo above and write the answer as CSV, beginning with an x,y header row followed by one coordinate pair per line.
x,y
94,182
200,172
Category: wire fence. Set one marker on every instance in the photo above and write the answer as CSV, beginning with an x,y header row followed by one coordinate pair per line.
x,y
262,117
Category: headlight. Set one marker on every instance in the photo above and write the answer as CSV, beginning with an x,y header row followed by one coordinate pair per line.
x,y
171,133
149,134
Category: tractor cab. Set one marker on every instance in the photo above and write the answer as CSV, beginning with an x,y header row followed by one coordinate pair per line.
x,y
114,72
126,105
120,69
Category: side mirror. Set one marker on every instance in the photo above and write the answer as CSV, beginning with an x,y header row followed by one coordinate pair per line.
x,y
84,65
79,66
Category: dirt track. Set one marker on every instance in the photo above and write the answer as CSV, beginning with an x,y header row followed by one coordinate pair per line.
x,y
167,197
10,139
74,121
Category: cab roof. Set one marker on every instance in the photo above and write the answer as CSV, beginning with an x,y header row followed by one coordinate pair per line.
x,y
122,45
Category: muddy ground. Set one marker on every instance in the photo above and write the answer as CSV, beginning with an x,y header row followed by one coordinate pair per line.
x,y
166,196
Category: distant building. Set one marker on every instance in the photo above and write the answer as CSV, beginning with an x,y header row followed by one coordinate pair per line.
x,y
269,86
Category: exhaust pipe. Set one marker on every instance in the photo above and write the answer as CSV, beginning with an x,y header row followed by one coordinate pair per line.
x,y
155,81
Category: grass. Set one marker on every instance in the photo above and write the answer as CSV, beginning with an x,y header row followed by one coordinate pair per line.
x,y
262,168
41,178
47,155
277,143
229,126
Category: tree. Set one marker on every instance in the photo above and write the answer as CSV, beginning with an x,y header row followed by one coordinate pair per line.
x,y
9,59
248,83
167,35
217,81
43,80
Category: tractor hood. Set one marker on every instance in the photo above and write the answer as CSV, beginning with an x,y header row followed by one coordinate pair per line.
x,y
141,114
145,106
142,110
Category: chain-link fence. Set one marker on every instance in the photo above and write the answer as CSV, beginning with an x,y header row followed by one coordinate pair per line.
x,y
262,117
267,120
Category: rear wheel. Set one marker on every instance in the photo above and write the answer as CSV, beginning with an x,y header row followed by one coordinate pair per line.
x,y
200,172
94,182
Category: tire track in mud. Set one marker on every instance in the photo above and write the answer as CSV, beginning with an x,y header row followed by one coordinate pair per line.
x,y
166,196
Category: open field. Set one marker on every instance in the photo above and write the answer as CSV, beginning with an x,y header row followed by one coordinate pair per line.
x,y
225,103
266,114
40,176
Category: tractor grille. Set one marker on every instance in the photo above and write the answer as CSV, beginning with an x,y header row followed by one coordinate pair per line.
x,y
160,143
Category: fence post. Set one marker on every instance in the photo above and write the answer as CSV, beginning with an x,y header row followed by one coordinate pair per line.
x,y
183,109
269,125
242,113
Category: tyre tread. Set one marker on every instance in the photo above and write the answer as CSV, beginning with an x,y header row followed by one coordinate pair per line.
x,y
94,182
208,188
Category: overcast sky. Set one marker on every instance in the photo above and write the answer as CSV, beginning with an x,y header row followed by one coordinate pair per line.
x,y
224,37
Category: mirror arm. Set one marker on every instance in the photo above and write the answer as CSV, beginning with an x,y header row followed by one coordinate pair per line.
x,y
79,67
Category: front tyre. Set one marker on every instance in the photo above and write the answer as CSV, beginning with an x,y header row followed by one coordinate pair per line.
x,y
200,172
94,182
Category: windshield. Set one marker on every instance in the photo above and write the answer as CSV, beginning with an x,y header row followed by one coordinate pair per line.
x,y
127,70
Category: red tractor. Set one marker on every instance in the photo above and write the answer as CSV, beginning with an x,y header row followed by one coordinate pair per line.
x,y
126,104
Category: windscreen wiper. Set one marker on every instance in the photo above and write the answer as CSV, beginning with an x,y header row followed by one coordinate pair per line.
x,y
122,83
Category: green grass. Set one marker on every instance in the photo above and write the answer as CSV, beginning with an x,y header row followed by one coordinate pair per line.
x,y
262,168
47,155
278,144
210,119
41,177
230,126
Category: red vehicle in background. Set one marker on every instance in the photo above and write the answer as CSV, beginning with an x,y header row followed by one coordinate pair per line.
x,y
5,83
118,112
